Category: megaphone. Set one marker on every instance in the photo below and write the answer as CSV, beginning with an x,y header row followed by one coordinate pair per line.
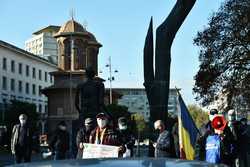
x,y
219,122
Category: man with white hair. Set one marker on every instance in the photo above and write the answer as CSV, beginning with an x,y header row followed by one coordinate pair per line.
x,y
163,144
21,140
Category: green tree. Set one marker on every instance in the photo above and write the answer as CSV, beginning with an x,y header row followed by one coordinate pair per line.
x,y
199,116
118,111
225,56
140,122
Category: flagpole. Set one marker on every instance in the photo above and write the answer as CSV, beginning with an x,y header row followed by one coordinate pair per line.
x,y
179,125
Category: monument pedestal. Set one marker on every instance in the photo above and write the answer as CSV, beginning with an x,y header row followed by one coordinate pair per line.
x,y
61,98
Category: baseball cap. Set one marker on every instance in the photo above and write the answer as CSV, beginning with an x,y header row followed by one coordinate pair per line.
x,y
213,111
101,115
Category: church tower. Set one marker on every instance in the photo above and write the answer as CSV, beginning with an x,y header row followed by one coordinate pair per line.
x,y
77,49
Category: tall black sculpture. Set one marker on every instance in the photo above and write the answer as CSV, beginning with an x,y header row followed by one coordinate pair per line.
x,y
157,82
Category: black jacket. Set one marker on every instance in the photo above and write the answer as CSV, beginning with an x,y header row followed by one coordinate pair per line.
x,y
82,137
127,139
164,145
228,147
60,141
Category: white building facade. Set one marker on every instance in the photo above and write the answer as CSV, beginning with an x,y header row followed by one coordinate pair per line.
x,y
22,76
43,44
136,101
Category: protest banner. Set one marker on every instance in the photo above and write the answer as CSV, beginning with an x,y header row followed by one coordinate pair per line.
x,y
99,151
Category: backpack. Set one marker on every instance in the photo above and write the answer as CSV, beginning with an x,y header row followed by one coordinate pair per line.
x,y
213,149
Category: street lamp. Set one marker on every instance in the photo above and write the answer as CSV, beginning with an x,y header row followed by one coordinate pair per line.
x,y
111,78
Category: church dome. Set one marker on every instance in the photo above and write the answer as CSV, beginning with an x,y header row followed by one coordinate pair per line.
x,y
71,26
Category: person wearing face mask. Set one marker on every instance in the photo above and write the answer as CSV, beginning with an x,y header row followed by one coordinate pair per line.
x,y
59,141
83,135
205,130
21,140
104,134
244,142
127,137
163,146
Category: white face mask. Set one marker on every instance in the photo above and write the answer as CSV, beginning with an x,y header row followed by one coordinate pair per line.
x,y
211,117
101,122
22,121
122,127
62,127
231,117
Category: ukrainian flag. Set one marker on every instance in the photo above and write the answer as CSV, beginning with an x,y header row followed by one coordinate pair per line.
x,y
188,132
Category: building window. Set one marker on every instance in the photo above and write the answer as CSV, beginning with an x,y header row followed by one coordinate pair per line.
x,y
34,72
51,78
12,84
12,66
4,83
4,63
40,88
27,70
40,74
27,88
45,76
20,86
39,108
20,68
33,89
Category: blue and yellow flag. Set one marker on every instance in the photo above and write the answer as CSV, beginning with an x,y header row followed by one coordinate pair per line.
x,y
188,132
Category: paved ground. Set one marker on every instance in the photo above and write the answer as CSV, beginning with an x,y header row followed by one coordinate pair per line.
x,y
8,159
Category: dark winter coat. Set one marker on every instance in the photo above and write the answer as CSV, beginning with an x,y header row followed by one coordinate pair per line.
x,y
110,137
127,139
27,145
228,146
60,141
163,145
82,137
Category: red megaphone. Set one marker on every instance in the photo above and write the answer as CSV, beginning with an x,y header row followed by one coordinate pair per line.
x,y
219,122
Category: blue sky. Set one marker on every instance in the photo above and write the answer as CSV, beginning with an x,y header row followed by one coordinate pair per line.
x,y
121,27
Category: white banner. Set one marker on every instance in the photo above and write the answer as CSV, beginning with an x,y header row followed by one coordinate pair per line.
x,y
99,151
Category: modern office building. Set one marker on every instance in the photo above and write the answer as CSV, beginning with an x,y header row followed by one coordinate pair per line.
x,y
22,76
43,44
136,101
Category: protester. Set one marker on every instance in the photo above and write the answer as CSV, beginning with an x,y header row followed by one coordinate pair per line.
x,y
233,124
234,127
3,136
59,141
175,134
244,143
163,146
21,140
104,134
205,130
127,137
83,135
219,146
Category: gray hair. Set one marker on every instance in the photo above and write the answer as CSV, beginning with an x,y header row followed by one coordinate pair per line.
x,y
158,123
24,116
